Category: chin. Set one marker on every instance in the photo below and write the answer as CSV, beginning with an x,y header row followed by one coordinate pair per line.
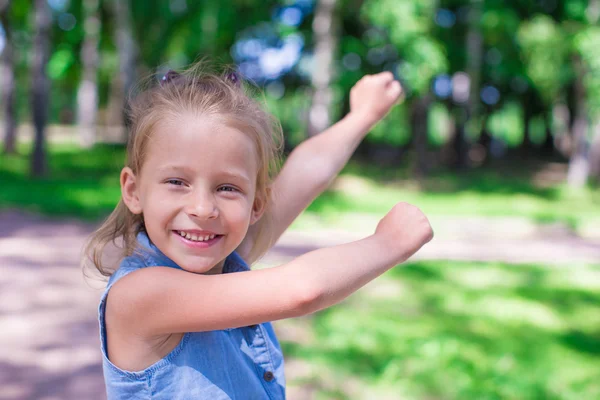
x,y
200,267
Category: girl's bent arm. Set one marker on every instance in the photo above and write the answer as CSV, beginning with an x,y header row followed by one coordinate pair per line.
x,y
313,164
159,300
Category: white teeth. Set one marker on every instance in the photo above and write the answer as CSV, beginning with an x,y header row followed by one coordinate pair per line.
x,y
194,237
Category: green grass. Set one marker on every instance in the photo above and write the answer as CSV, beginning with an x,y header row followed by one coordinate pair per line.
x,y
85,184
458,330
80,183
501,192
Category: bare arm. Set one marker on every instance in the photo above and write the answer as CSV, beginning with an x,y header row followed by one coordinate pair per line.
x,y
173,301
312,166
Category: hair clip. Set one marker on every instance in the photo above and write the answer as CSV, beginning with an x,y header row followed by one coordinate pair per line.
x,y
234,78
169,76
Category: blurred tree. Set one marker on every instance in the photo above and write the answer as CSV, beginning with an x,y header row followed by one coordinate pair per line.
x,y
40,85
87,95
531,67
470,102
586,62
127,50
8,80
422,57
579,162
325,27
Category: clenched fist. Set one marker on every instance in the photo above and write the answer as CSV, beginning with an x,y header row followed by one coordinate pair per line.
x,y
404,230
374,95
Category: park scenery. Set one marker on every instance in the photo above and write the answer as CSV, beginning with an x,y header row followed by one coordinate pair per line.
x,y
496,138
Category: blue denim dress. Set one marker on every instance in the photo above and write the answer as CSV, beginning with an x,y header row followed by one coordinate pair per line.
x,y
241,363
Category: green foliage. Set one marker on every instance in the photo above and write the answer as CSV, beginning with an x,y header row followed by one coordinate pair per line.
x,y
438,124
587,43
499,23
291,110
507,124
576,9
409,24
394,130
424,59
537,130
545,48
60,62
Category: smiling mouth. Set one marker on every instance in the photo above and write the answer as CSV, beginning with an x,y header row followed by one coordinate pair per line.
x,y
194,237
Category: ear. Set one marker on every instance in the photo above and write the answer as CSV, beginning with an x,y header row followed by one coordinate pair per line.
x,y
129,191
259,207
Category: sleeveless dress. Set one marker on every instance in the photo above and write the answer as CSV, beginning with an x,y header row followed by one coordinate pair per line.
x,y
240,363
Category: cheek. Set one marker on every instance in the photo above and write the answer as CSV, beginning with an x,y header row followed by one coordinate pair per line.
x,y
160,203
237,212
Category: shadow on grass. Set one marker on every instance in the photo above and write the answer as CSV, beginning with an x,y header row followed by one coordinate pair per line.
x,y
508,176
453,330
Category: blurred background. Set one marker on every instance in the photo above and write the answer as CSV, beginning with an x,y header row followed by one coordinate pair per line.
x,y
497,140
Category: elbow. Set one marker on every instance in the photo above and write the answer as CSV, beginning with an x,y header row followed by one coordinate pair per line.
x,y
320,170
323,173
307,299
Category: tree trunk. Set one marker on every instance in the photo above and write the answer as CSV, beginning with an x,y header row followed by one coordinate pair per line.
x,y
561,123
326,39
419,129
548,148
7,69
87,95
40,85
579,161
595,153
527,145
473,69
593,13
484,142
460,145
127,50
474,57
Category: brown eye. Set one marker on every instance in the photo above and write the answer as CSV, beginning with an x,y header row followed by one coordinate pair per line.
x,y
175,182
228,189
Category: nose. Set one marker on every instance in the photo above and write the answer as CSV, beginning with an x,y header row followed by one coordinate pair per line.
x,y
202,205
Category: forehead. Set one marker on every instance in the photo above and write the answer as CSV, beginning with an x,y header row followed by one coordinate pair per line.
x,y
200,141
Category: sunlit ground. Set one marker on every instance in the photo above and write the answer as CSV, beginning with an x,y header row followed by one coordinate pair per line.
x,y
455,330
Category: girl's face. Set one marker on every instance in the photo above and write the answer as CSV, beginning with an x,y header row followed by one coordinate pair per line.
x,y
196,190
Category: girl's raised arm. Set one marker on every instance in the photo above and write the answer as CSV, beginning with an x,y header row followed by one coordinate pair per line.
x,y
312,166
157,301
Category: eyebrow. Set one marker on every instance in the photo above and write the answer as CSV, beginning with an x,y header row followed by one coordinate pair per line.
x,y
175,168
232,174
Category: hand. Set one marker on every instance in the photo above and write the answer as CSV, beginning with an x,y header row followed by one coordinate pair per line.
x,y
374,95
404,230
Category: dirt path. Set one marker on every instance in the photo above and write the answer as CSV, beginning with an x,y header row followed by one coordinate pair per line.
x,y
49,338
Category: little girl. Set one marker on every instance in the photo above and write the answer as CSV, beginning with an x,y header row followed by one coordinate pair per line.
x,y
183,316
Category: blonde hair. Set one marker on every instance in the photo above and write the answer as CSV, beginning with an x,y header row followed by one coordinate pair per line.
x,y
200,92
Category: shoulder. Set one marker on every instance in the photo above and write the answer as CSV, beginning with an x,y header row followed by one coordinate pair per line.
x,y
136,287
